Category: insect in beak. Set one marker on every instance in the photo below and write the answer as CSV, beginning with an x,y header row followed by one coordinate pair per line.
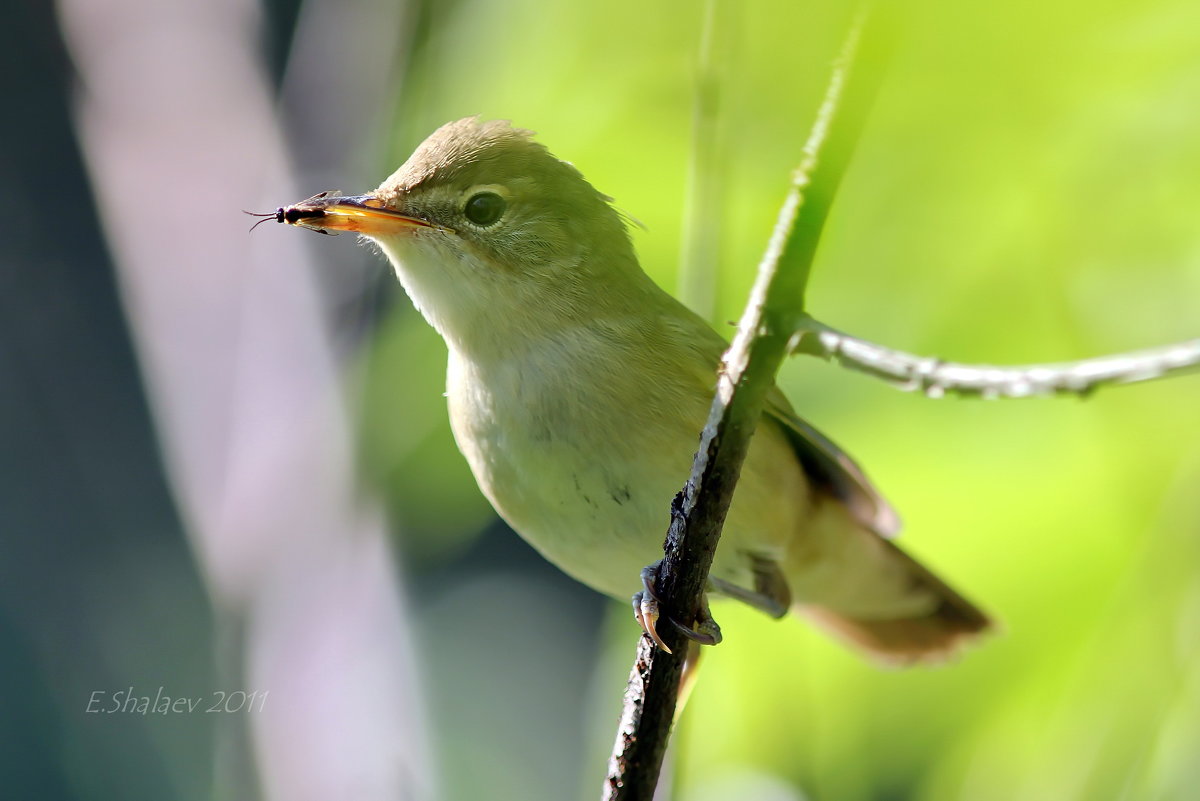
x,y
298,213
329,212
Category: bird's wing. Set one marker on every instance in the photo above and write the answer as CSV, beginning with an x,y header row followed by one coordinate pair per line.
x,y
831,469
826,465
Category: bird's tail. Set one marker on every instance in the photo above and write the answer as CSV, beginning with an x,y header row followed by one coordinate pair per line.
x,y
894,609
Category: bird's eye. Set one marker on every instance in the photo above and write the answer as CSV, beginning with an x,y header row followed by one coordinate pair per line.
x,y
485,208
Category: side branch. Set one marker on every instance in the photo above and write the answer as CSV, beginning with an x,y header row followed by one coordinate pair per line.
x,y
937,378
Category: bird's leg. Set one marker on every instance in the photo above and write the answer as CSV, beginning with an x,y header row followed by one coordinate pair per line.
x,y
704,629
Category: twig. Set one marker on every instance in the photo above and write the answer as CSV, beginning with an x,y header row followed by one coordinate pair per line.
x,y
747,374
937,378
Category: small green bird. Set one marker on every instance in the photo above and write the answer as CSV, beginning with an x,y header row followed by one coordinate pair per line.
x,y
577,389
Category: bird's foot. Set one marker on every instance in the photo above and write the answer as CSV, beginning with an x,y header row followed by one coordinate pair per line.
x,y
704,630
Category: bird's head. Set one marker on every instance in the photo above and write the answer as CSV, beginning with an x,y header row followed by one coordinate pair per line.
x,y
486,228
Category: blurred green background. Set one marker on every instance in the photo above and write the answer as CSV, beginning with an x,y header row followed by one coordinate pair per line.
x,y
1027,189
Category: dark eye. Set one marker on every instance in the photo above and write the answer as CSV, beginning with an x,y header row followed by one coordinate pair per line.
x,y
485,208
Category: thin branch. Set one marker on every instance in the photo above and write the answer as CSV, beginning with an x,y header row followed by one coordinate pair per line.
x,y
937,378
747,374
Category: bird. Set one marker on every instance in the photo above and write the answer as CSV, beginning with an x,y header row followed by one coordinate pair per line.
x,y
577,387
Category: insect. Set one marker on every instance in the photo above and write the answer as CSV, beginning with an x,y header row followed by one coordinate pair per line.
x,y
298,213
328,212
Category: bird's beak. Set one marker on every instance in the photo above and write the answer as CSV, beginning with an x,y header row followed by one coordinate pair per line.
x,y
329,213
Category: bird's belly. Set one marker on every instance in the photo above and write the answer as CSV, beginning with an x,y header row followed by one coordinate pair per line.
x,y
598,515
592,494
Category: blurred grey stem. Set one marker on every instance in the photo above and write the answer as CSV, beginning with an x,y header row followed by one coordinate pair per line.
x,y
235,350
748,369
937,378
705,187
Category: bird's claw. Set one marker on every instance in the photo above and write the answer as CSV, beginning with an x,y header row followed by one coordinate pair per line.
x,y
646,610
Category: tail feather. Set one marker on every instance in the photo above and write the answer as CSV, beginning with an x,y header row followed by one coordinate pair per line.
x,y
932,636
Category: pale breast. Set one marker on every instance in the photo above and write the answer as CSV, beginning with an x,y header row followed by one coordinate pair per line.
x,y
582,455
570,464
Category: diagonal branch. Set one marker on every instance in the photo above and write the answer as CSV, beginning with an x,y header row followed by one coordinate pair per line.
x,y
747,373
937,378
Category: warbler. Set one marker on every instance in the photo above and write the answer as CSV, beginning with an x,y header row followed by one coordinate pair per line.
x,y
577,389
